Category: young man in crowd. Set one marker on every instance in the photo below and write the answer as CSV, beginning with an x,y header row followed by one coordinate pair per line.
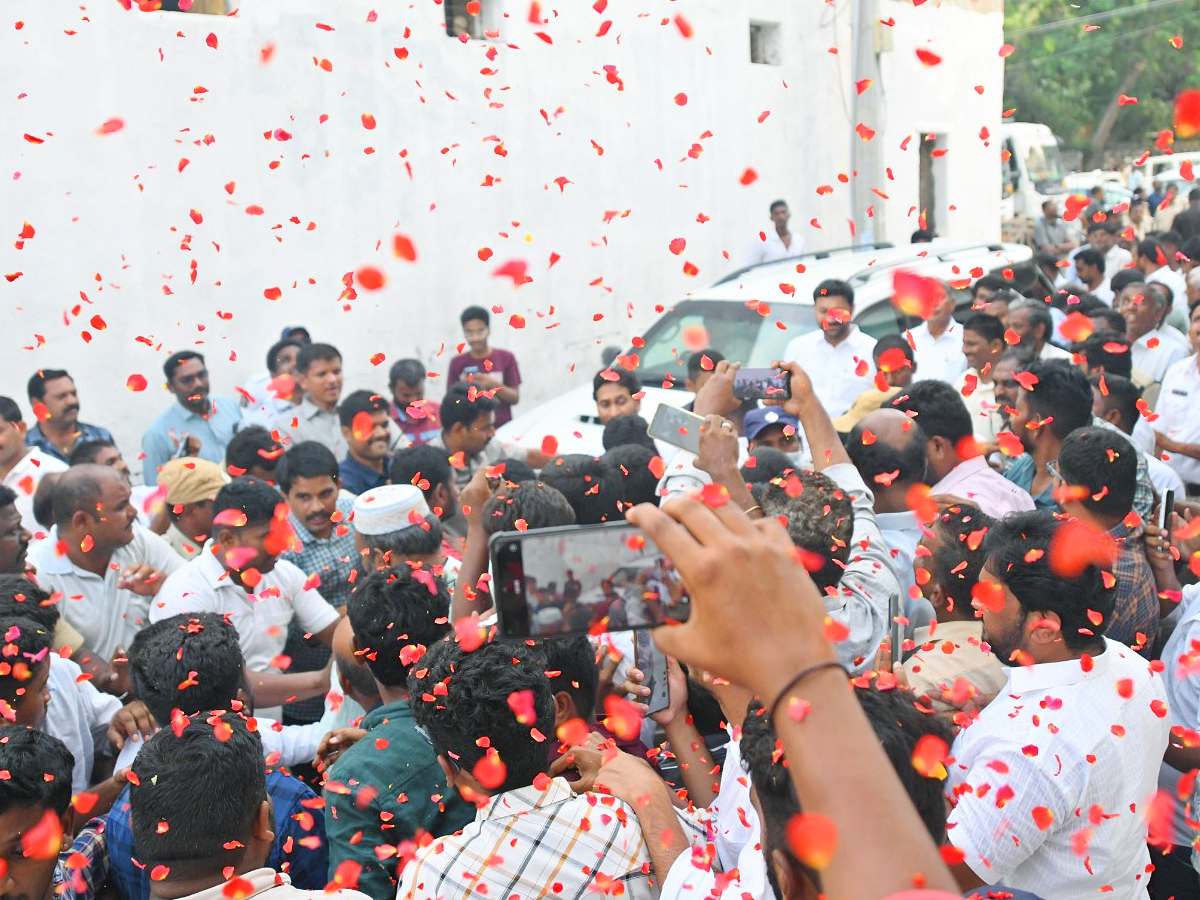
x,y
319,375
387,790
416,418
983,345
895,368
430,470
937,342
197,424
617,392
366,429
591,487
767,426
55,404
273,393
22,467
486,368
253,452
837,353
469,434
777,242
1089,266
192,485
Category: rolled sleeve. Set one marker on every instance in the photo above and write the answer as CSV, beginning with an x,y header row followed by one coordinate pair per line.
x,y
313,612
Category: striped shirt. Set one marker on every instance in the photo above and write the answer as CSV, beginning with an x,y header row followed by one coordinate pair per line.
x,y
532,843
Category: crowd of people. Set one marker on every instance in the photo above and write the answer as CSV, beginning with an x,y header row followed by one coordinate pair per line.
x,y
944,620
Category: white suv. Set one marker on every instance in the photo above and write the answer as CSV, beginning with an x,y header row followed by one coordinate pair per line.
x,y
751,315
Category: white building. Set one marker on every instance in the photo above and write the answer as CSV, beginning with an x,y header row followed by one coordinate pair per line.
x,y
176,168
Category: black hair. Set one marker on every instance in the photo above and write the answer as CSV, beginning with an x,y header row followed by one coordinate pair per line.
x,y
1102,460
360,402
819,520
36,388
1152,248
19,596
394,614
25,642
769,464
835,287
881,463
536,504
463,404
922,236
177,359
1095,350
1191,247
311,353
958,558
252,446
1019,556
43,500
893,342
987,327
1092,257
627,430
277,348
991,282
409,371
1119,393
87,451
695,362
1108,319
172,771
1123,279
461,698
475,314
412,539
515,470
7,496
9,411
307,459
80,489
1061,393
571,667
777,203
589,485
256,499
420,464
938,408
37,770
637,482
192,662
619,375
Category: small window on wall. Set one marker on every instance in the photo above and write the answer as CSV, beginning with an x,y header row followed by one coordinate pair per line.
x,y
765,43
469,17
205,7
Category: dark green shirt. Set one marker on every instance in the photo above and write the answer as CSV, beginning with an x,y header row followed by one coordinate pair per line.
x,y
381,792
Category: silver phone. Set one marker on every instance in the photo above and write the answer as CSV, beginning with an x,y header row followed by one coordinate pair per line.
x,y
677,427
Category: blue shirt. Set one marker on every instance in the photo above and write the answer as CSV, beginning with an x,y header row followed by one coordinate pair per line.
x,y
213,430
1021,471
357,478
84,434
289,798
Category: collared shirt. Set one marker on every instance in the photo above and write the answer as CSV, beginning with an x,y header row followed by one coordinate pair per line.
x,y
358,478
420,430
535,843
1069,738
835,371
186,547
902,532
1157,350
108,617
24,479
1181,656
1143,493
79,716
1137,607
383,791
1050,231
330,559
84,434
947,651
82,868
1050,352
979,396
1178,419
1177,284
973,479
261,618
492,453
773,248
1116,259
293,805
214,431
1021,472
308,422
267,884
938,358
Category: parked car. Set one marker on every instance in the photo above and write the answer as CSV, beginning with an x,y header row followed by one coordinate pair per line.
x,y
752,314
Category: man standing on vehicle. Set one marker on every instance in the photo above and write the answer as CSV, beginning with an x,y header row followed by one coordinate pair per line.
x,y
778,243
838,356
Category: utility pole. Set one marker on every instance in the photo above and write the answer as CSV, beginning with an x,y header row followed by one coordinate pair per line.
x,y
866,157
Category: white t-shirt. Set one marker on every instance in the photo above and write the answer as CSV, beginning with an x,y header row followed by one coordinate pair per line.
x,y
79,716
939,358
283,745
838,374
24,480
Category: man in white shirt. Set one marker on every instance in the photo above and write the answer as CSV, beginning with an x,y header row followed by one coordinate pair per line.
x,y
983,345
22,467
778,242
1156,347
106,566
1051,779
240,575
1090,266
837,356
1175,433
954,468
1152,260
937,343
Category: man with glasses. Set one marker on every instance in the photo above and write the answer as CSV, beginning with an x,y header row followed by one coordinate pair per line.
x,y
196,425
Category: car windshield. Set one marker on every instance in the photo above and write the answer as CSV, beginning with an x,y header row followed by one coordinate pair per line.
x,y
1045,167
733,328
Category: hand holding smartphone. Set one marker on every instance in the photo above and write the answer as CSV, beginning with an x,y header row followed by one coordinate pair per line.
x,y
677,427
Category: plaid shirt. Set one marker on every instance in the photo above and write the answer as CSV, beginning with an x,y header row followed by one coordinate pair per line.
x,y
528,843
1137,608
84,434
82,868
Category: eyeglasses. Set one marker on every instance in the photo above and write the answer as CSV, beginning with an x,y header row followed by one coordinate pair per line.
x,y
1052,468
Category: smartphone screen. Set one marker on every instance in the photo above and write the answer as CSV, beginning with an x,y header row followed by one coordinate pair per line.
x,y
677,427
762,384
653,663
582,579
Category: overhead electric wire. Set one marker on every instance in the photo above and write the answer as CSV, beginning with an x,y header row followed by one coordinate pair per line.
x,y
1092,43
1097,17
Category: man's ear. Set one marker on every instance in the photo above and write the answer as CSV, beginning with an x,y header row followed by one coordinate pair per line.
x,y
564,708
440,496
1045,627
69,820
263,828
689,385
789,875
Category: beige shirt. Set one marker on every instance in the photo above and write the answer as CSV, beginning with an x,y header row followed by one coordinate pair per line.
x,y
181,543
981,404
952,651
267,883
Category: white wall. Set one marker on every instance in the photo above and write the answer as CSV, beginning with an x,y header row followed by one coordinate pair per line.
x,y
111,211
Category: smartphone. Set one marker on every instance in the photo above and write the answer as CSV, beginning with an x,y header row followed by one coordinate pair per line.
x,y
582,579
762,384
471,370
653,663
1164,513
677,427
182,450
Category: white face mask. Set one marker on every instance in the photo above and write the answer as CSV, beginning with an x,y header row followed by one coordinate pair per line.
x,y
800,459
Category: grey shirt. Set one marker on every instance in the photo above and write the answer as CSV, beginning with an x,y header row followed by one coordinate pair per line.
x,y
308,422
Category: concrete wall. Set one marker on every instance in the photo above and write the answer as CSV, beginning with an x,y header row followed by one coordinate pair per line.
x,y
115,233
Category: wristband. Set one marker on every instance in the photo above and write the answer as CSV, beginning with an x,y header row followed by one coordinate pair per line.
x,y
804,673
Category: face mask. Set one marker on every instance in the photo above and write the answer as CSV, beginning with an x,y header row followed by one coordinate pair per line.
x,y
800,459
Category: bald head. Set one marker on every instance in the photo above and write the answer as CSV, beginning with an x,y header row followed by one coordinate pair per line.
x,y
81,489
889,450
